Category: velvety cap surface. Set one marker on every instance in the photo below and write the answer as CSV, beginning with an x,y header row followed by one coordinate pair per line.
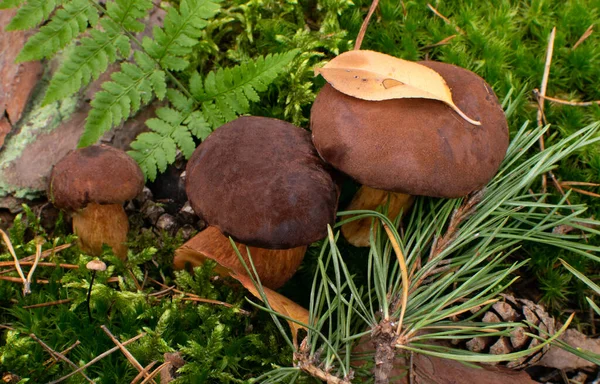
x,y
261,181
95,174
414,146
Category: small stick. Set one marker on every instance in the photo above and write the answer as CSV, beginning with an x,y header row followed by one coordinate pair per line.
x,y
441,42
155,372
11,250
586,183
43,281
163,292
69,349
40,264
544,86
573,103
143,372
38,253
6,327
438,14
194,297
365,24
583,192
59,355
48,304
46,253
127,354
585,35
98,358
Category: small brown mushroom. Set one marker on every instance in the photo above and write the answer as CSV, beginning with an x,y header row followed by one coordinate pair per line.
x,y
260,181
414,146
93,183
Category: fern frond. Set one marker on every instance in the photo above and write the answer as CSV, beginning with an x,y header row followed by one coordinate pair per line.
x,y
226,93
133,86
220,97
127,12
30,15
88,61
65,25
180,33
155,150
8,4
95,53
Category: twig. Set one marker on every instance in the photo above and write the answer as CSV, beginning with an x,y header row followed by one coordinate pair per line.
x,y
59,355
305,364
194,297
127,354
163,292
39,264
583,192
98,358
365,24
438,14
45,254
11,250
69,349
543,87
2,326
573,103
444,41
48,304
38,254
44,281
155,372
585,35
143,372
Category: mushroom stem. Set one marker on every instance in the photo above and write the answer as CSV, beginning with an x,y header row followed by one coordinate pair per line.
x,y
274,266
89,296
357,232
98,224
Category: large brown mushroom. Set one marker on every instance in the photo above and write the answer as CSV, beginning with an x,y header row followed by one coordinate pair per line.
x,y
92,183
413,146
260,181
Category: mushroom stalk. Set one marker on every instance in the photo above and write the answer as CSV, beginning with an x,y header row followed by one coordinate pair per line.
x,y
274,266
357,232
98,224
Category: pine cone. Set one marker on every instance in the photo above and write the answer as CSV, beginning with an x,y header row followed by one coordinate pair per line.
x,y
511,309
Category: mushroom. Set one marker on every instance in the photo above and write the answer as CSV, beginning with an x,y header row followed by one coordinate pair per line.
x,y
92,183
260,181
413,146
94,266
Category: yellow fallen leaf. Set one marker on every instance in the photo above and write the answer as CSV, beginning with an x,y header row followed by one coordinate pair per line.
x,y
279,304
375,76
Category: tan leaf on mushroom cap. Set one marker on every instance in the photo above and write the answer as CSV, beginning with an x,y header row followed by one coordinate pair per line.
x,y
375,76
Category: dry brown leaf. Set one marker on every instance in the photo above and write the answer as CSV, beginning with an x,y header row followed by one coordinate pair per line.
x,y
279,304
375,76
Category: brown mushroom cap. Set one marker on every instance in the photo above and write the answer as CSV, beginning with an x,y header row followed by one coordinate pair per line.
x,y
95,174
414,146
261,181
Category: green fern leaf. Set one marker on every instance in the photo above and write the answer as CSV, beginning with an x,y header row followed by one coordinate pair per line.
x,y
66,24
226,93
88,60
30,15
198,126
127,12
131,87
180,101
8,4
180,33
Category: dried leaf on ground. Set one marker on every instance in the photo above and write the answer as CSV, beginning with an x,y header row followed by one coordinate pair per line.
x,y
375,76
279,304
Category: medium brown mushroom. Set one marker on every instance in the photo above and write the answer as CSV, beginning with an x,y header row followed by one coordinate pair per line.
x,y
414,146
92,183
260,181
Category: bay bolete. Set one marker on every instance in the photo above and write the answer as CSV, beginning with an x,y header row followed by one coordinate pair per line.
x,y
413,146
92,183
260,181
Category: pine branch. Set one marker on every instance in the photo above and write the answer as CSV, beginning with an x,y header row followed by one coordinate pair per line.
x,y
66,24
